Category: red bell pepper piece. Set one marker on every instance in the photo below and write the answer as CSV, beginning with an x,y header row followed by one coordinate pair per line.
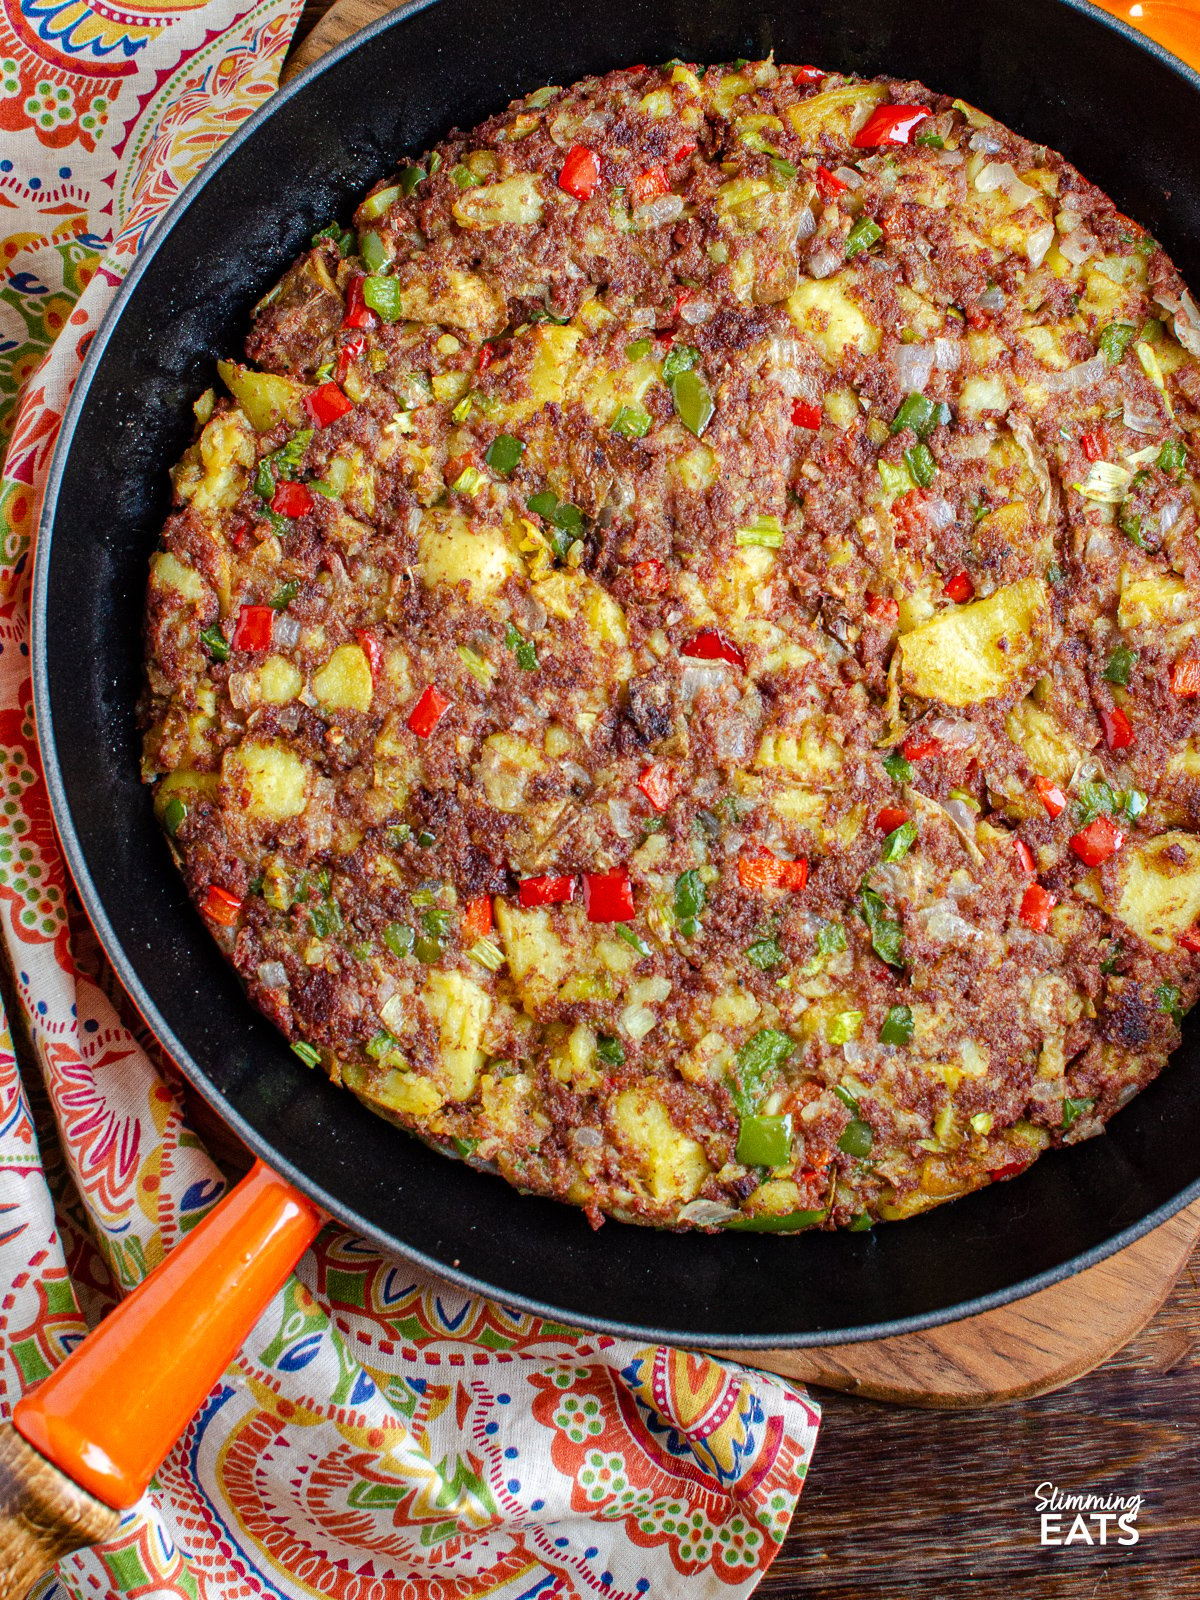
x,y
580,172
254,628
1099,840
1051,796
650,576
1118,730
428,712
545,891
889,125
327,404
655,783
358,312
710,644
1191,940
890,818
608,896
803,75
221,907
1024,857
919,746
959,588
1036,906
882,608
684,151
805,414
1009,1171
829,185
292,499
649,185
349,352
767,871
1095,444
1185,677
477,918
487,354
372,649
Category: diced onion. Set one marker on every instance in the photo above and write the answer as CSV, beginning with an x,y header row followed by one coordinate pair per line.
x,y
1000,175
961,815
243,690
1076,377
638,1021
587,1138
826,258
1079,246
658,212
938,513
952,732
914,366
1037,244
1105,483
986,143
697,309
695,679
272,975
706,1213
948,353
1187,319
620,814
942,923
806,224
1141,418
851,178
732,736
286,631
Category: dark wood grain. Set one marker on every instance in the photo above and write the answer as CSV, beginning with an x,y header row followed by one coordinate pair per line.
x,y
905,1503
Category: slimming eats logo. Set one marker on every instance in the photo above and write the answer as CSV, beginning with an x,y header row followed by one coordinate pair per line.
x,y
1086,1518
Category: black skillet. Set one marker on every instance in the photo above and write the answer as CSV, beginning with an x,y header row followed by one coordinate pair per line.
x,y
1126,113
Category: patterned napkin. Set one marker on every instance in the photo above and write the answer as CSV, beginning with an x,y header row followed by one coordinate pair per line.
x,y
381,1434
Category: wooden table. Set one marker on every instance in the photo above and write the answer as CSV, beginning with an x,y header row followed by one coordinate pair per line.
x,y
940,1505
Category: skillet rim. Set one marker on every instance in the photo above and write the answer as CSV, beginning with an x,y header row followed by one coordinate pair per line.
x,y
98,916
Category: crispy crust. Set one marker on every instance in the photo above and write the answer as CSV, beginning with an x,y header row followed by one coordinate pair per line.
x,y
946,588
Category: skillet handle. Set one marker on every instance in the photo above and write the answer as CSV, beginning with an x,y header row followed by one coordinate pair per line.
x,y
110,1413
1174,24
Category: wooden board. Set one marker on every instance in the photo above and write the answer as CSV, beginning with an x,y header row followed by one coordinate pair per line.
x,y
1030,1348
1025,1349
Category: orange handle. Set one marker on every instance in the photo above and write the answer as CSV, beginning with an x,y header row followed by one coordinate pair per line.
x,y
1174,24
110,1413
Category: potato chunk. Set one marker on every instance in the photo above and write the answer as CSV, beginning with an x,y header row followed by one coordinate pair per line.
x,y
1151,602
344,682
214,471
511,201
454,551
837,113
978,651
537,957
265,397
673,1166
1160,888
168,572
454,299
460,1009
834,321
268,781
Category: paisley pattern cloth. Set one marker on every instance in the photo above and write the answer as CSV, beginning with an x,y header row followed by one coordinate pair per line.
x,y
380,1435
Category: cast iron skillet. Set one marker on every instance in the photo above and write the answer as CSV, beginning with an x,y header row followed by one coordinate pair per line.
x,y
1055,70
